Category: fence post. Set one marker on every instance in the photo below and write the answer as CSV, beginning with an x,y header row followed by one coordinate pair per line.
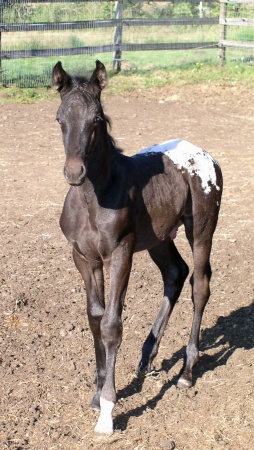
x,y
0,58
223,31
118,36
1,23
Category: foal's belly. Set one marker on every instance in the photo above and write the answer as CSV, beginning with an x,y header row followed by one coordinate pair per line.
x,y
151,234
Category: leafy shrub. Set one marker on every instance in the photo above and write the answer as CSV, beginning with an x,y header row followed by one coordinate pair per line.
x,y
182,10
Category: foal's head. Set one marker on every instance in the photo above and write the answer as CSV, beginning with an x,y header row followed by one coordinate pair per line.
x,y
80,116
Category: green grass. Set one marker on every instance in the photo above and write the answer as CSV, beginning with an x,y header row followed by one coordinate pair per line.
x,y
36,72
130,80
149,69
196,73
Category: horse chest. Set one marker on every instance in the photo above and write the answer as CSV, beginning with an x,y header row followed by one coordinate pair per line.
x,y
97,233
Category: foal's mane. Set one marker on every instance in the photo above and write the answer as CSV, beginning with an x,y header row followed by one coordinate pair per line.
x,y
110,137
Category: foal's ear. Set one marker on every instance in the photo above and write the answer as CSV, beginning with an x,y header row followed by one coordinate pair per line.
x,y
60,78
99,76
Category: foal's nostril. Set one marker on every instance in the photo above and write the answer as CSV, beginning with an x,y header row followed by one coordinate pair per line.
x,y
74,174
81,172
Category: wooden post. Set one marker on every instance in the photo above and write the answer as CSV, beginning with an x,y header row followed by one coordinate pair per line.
x,y
223,32
118,36
1,22
0,58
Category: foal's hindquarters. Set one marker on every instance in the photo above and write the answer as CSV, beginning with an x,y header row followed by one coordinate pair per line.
x,y
200,221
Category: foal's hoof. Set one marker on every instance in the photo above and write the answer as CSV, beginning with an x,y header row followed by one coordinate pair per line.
x,y
102,437
184,382
103,429
143,369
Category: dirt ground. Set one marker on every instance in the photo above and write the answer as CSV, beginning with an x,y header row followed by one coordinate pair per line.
x,y
47,351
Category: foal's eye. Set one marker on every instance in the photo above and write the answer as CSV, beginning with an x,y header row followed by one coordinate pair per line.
x,y
97,119
59,121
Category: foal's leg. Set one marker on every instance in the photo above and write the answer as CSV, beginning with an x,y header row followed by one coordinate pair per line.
x,y
200,282
119,268
174,271
92,274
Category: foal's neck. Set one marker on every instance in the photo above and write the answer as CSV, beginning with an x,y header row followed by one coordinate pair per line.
x,y
102,160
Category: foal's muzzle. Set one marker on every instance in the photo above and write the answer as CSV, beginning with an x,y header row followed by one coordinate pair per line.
x,y
75,173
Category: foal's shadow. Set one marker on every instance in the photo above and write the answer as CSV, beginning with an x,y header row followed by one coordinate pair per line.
x,y
228,334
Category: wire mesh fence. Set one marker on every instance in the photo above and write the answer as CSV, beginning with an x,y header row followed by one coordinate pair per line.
x,y
237,30
35,34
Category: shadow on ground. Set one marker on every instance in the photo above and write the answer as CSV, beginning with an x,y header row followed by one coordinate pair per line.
x,y
228,334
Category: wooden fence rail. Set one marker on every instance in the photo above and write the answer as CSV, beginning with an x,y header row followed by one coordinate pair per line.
x,y
118,23
225,22
18,54
89,24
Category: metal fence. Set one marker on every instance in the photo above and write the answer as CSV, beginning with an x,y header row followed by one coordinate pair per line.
x,y
123,34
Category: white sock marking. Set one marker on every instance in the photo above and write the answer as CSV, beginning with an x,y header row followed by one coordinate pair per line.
x,y
105,421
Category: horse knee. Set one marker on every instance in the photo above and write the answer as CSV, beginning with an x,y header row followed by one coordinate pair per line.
x,y
95,314
111,331
95,324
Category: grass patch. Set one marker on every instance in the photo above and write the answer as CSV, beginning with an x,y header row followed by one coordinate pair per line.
x,y
36,72
25,95
129,80
198,73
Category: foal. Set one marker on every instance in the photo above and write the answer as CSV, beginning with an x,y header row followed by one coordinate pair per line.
x,y
118,205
